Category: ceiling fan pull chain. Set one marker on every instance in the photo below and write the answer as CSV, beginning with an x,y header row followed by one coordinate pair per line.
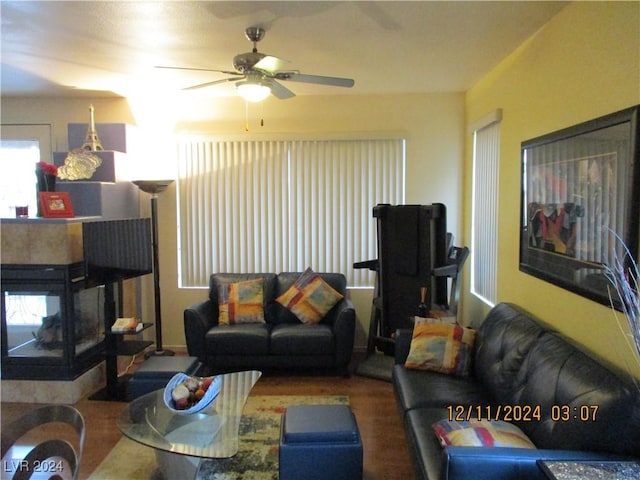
x,y
246,116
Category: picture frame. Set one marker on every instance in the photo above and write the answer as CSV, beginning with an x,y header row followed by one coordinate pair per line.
x,y
56,205
580,203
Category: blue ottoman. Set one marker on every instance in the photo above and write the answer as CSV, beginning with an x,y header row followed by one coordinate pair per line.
x,y
319,442
155,373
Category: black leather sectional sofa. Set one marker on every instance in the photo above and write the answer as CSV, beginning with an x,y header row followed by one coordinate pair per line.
x,y
282,341
518,362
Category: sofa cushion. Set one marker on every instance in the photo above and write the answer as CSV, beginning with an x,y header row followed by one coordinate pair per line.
x,y
291,339
584,406
480,433
425,447
442,348
503,342
241,339
420,388
310,297
241,302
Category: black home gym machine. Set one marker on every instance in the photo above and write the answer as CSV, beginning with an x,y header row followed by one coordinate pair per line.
x,y
415,253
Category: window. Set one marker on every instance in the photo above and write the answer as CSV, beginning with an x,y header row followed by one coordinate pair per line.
x,y
273,206
484,216
21,147
18,188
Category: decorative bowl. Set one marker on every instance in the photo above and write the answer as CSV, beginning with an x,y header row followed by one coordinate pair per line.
x,y
209,396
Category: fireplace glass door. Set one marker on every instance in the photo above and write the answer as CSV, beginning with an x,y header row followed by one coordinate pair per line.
x,y
50,329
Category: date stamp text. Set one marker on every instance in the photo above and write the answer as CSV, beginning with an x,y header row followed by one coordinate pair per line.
x,y
523,413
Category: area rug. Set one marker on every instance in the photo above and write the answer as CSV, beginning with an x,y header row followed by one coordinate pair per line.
x,y
257,457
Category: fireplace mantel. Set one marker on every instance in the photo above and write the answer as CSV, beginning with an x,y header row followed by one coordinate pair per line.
x,y
42,241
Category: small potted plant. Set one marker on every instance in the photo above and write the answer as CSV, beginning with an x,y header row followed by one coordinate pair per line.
x,y
46,174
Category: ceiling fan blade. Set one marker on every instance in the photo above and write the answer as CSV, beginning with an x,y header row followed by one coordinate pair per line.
x,y
270,64
280,91
215,82
228,72
320,80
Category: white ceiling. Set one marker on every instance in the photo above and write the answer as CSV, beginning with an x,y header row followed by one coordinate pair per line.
x,y
110,48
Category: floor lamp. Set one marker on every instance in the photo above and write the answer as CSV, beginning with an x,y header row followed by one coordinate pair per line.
x,y
154,187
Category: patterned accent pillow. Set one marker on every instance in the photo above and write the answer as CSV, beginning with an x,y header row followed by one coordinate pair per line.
x,y
310,297
442,348
241,302
481,433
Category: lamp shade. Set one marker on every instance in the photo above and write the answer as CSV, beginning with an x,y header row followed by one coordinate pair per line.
x,y
253,92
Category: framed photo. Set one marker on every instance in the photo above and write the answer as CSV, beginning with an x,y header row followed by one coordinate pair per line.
x,y
56,205
580,205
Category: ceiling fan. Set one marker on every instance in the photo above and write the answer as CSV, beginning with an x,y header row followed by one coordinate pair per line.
x,y
258,75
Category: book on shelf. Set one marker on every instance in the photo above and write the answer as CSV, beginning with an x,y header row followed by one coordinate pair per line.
x,y
125,325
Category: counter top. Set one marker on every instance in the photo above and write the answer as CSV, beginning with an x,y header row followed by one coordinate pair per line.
x,y
41,220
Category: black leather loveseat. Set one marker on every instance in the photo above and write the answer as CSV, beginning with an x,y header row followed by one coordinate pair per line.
x,y
282,340
516,362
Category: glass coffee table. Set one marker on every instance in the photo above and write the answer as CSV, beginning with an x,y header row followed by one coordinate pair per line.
x,y
182,441
590,470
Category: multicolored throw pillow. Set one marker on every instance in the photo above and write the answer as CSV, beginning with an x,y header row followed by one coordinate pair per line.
x,y
442,348
241,302
480,433
310,298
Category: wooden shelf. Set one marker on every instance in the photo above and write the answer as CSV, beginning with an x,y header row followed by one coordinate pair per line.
x,y
145,325
116,345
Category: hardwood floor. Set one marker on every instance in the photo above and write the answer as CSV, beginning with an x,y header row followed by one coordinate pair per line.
x,y
386,455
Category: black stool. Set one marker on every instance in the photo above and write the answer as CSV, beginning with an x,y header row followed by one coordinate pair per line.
x,y
155,373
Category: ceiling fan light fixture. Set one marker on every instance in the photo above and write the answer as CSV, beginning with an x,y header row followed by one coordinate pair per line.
x,y
253,92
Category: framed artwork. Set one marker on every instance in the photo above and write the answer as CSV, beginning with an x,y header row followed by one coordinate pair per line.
x,y
56,205
580,202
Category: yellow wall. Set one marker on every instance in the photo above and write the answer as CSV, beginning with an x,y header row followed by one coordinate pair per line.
x,y
583,64
433,125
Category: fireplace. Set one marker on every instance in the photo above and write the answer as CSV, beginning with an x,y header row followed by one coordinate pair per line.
x,y
52,325
58,295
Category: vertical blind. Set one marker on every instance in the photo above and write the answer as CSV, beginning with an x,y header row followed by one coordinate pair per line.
x,y
484,229
273,206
